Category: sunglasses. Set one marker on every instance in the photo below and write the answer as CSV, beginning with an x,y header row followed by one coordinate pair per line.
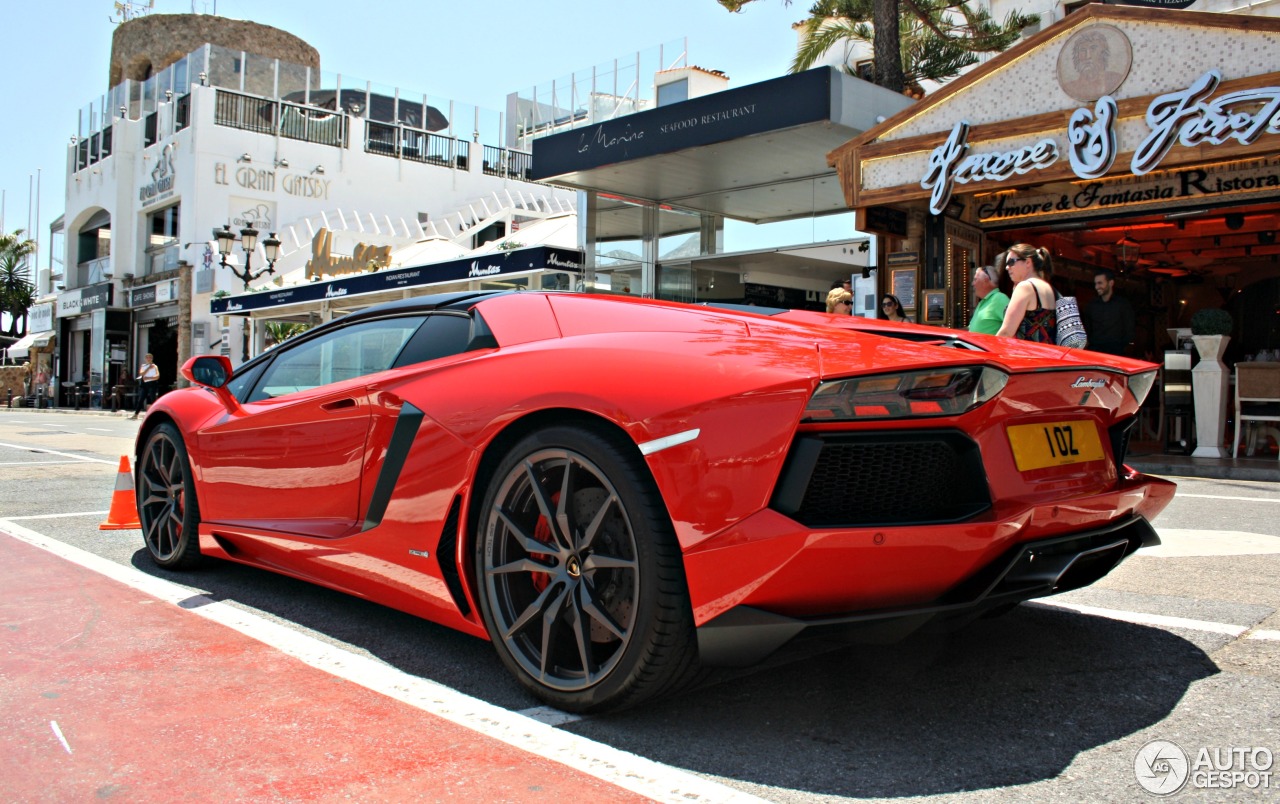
x,y
887,303
1012,260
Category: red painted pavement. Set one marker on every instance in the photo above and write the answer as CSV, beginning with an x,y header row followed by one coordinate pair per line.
x,y
159,704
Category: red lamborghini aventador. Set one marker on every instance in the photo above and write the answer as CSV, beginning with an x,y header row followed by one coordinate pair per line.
x,y
615,491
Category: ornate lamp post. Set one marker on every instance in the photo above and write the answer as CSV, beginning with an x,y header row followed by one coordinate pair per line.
x,y
249,242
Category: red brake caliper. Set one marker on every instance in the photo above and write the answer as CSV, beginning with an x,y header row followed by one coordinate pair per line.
x,y
542,532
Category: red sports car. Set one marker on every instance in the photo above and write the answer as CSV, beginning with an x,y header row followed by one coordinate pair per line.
x,y
615,491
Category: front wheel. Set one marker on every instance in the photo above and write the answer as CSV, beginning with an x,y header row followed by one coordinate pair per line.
x,y
581,580
167,506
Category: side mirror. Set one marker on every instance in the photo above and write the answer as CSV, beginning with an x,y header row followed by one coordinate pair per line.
x,y
211,371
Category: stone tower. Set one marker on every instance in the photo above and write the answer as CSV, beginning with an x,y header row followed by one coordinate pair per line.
x,y
146,45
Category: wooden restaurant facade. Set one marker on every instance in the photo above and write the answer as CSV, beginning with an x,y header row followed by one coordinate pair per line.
x,y
1142,140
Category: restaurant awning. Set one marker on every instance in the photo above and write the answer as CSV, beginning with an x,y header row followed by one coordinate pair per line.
x,y
22,346
756,153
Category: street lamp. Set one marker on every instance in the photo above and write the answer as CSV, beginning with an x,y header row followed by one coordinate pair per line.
x,y
249,242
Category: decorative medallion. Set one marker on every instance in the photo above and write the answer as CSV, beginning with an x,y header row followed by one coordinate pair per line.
x,y
1094,61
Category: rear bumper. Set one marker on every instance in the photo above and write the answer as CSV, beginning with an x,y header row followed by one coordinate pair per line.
x,y
744,635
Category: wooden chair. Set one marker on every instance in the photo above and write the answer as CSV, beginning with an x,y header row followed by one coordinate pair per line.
x,y
1257,400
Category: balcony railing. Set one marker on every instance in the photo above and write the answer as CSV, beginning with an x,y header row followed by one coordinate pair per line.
x,y
416,145
295,121
507,163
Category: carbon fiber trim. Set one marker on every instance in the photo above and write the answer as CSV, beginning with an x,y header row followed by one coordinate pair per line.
x,y
407,424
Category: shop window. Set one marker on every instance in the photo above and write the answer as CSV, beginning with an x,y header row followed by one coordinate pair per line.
x,y
162,243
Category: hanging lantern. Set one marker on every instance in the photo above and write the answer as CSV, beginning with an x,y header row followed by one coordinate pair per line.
x,y
1127,252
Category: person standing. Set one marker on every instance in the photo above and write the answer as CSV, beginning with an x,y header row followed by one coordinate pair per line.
x,y
148,383
1032,314
891,309
1109,319
988,315
840,301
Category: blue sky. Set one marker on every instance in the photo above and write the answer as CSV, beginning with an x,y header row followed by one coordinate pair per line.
x,y
56,56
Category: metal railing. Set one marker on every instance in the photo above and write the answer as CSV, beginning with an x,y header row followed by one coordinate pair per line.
x,y
292,120
507,163
416,145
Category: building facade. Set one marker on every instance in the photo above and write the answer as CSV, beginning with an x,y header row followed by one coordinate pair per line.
x,y
345,175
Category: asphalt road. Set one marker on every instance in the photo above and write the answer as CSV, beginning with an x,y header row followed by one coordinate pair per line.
x,y
1053,701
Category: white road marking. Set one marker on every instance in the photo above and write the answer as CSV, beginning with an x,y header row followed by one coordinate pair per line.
x,y
37,463
57,732
1180,543
27,448
55,516
621,768
1225,497
1268,635
1139,618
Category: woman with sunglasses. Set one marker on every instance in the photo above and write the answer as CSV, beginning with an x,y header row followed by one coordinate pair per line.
x,y
891,309
1032,312
840,301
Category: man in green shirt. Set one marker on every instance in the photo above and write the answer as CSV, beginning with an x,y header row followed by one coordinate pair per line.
x,y
989,314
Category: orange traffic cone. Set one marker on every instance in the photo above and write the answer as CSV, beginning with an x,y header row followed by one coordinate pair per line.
x,y
124,504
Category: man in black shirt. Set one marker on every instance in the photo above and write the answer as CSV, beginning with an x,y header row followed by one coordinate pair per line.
x,y
1108,321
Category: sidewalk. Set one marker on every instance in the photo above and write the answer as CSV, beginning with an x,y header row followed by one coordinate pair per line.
x,y
106,692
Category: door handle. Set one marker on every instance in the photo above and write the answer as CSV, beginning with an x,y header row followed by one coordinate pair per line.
x,y
340,404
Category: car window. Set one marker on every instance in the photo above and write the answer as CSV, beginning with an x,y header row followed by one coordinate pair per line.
x,y
442,335
343,354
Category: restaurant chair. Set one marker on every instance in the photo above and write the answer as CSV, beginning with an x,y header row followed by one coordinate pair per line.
x,y
1257,400
1177,405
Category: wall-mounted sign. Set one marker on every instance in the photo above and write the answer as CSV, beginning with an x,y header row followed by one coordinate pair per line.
x,y
265,180
40,317
250,212
1168,189
161,186
153,294
885,220
85,299
1192,117
902,283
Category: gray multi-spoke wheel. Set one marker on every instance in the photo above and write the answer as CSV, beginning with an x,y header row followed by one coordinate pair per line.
x,y
166,498
581,580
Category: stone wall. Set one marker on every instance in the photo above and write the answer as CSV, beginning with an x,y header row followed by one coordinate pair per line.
x,y
11,379
146,45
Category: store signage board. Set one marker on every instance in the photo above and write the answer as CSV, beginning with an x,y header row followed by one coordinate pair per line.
x,y
1193,117
1234,181
85,299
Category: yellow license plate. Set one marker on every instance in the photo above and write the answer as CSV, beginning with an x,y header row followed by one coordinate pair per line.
x,y
1037,446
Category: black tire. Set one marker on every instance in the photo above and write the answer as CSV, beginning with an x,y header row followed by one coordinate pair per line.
x,y
581,580
167,506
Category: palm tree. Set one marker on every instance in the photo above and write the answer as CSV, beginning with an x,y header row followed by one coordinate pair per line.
x,y
280,331
933,40
16,291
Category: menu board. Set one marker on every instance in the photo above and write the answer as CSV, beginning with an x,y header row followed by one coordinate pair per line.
x,y
902,283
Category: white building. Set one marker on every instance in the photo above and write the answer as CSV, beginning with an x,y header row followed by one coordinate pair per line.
x,y
349,177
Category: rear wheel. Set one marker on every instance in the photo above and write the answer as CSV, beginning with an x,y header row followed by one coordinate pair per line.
x,y
581,580
166,496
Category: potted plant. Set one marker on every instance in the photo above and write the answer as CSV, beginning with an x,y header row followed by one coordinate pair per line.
x,y
1210,331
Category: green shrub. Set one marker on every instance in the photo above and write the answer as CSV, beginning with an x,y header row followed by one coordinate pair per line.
x,y
1211,322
